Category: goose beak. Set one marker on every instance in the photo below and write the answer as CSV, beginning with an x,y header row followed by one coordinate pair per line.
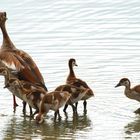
x,y
5,14
76,64
118,85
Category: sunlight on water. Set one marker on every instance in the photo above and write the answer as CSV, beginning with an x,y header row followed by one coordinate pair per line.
x,y
103,36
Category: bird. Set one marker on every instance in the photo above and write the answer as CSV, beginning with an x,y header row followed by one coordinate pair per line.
x,y
76,95
73,80
9,78
28,92
18,60
131,93
7,75
52,101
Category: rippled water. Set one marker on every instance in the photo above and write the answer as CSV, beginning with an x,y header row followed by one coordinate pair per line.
x,y
103,36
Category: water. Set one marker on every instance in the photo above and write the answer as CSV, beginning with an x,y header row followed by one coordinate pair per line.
x,y
103,36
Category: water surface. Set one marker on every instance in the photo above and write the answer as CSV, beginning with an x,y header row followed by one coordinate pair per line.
x,y
103,36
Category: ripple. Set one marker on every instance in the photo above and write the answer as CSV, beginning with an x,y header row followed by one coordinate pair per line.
x,y
103,36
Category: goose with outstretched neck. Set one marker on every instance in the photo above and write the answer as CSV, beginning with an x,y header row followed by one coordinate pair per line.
x,y
17,60
73,80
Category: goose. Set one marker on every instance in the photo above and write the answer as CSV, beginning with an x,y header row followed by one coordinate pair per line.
x,y
73,80
131,93
17,60
76,95
52,101
7,75
28,92
10,77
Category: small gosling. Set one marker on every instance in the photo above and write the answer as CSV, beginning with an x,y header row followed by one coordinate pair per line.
x,y
52,101
73,80
131,93
76,95
28,92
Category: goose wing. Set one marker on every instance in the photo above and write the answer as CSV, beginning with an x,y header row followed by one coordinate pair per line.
x,y
137,89
21,62
10,61
29,64
80,83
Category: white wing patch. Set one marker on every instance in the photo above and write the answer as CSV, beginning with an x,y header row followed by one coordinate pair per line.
x,y
73,89
62,94
42,95
11,66
82,87
33,88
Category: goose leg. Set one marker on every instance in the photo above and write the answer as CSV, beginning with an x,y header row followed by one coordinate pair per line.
x,y
73,108
31,112
59,117
85,105
65,107
24,107
76,104
55,115
14,102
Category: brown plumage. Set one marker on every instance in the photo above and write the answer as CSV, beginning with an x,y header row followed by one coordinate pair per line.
x,y
8,75
131,93
76,94
52,101
73,80
18,60
28,92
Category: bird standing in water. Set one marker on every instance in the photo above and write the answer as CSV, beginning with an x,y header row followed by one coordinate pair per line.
x,y
17,60
73,80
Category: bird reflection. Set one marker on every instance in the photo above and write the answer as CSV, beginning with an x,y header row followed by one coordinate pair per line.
x,y
66,127
133,127
24,127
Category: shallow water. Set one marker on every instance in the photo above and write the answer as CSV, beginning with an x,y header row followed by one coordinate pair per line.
x,y
103,36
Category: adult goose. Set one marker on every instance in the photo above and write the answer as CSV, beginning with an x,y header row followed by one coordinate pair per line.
x,y
73,80
18,60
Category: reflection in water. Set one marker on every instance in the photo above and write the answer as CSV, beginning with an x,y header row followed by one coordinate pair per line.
x,y
103,36
14,127
23,127
133,129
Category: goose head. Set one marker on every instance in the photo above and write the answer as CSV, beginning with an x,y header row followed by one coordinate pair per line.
x,y
3,71
13,82
72,62
39,118
124,82
3,18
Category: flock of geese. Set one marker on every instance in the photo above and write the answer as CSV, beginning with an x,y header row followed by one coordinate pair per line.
x,y
24,80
